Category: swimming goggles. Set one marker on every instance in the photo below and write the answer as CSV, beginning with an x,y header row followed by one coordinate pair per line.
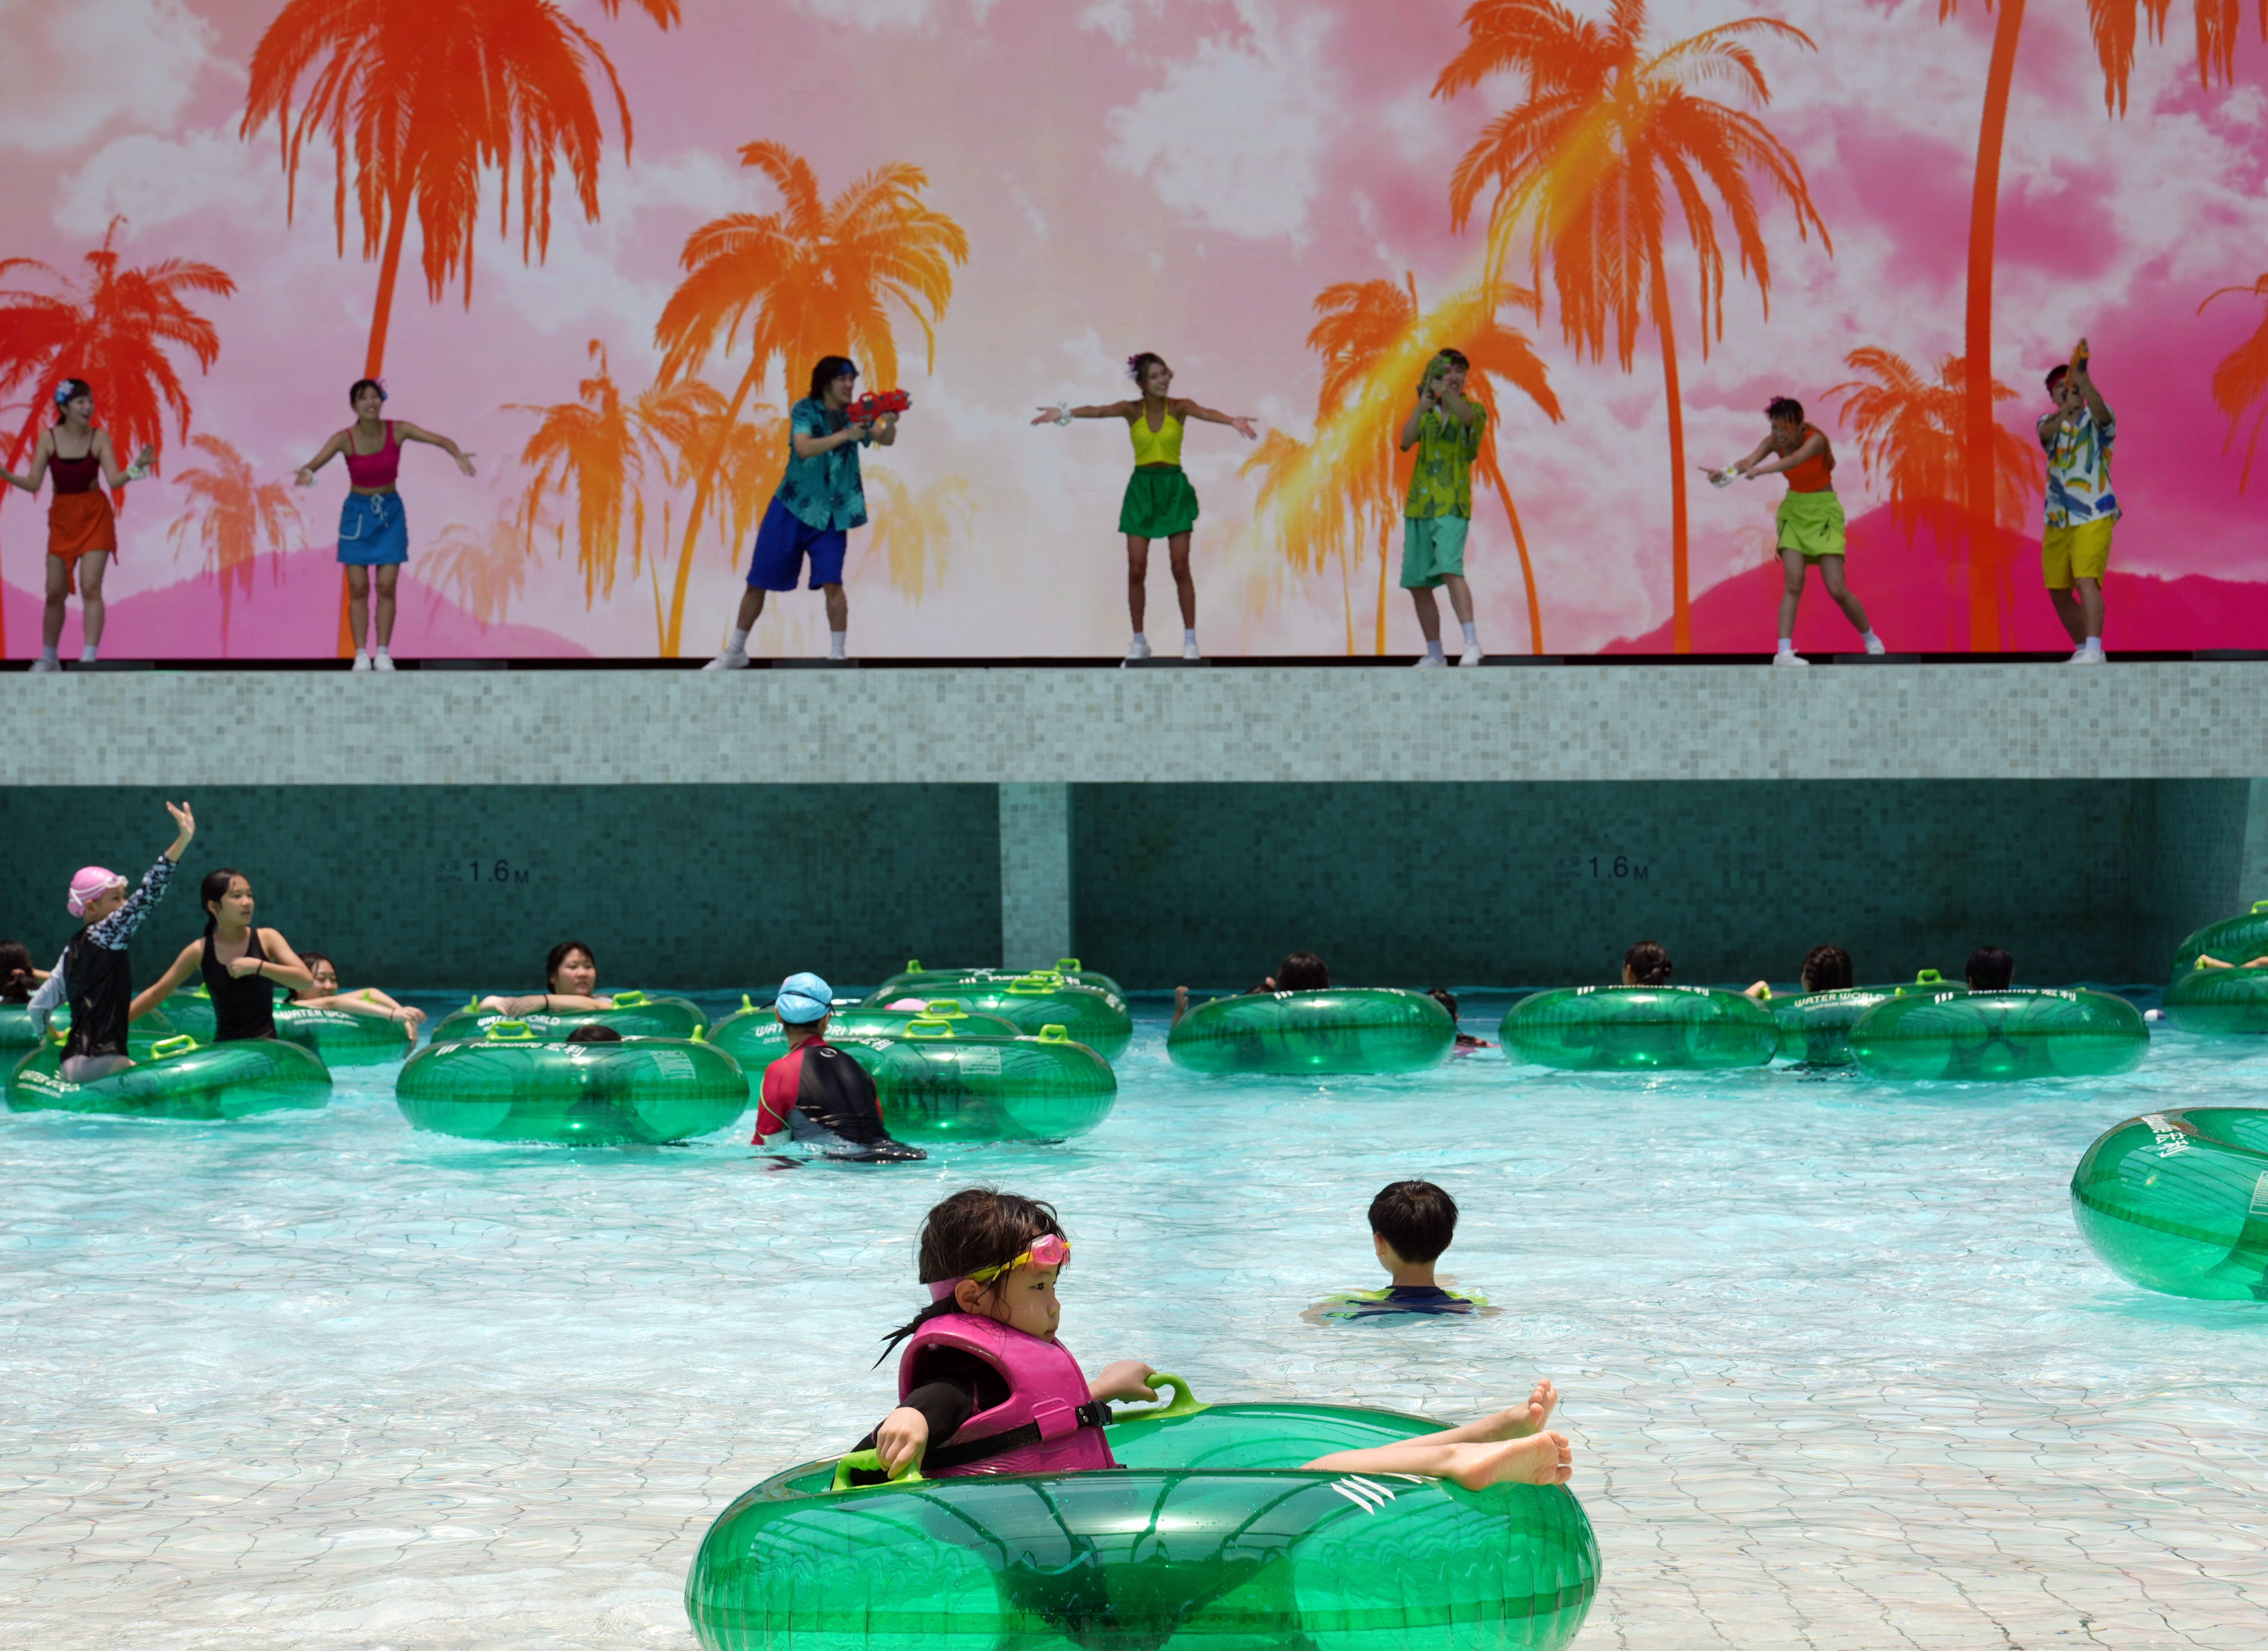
x,y
1048,1250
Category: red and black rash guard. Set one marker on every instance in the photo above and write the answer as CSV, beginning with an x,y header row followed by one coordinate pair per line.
x,y
831,1091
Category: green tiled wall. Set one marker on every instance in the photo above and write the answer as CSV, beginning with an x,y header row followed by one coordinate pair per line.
x,y
1504,884
699,886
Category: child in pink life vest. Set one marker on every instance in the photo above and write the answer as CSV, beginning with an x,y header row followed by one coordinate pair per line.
x,y
984,1387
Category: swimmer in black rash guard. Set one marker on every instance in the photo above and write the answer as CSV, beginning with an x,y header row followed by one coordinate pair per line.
x,y
815,1093
1411,1222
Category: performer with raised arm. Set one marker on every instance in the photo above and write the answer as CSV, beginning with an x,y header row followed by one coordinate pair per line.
x,y
1810,518
81,526
372,531
1159,502
822,496
2081,507
1447,427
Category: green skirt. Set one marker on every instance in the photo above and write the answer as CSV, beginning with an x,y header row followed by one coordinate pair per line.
x,y
1159,503
1813,524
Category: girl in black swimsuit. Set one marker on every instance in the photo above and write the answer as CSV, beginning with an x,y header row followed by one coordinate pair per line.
x,y
242,965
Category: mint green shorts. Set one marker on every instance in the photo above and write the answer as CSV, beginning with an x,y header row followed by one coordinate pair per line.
x,y
1433,548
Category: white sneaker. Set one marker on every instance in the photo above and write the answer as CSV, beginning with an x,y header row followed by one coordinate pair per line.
x,y
362,662
1189,651
1138,649
2086,656
43,663
1790,659
1876,646
727,661
1471,655
1430,660
383,662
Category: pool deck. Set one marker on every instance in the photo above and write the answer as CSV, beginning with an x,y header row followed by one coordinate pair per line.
x,y
1039,725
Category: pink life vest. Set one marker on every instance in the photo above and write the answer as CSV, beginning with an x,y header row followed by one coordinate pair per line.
x,y
1045,1391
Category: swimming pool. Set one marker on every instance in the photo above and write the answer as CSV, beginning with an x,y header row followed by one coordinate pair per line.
x,y
1838,1369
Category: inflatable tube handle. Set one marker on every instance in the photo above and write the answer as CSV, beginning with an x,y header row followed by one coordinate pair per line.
x,y
1037,984
870,1462
1929,978
629,1000
745,1004
1183,1403
944,1009
166,1047
697,1037
914,966
1055,1035
929,1026
509,1032
2260,905
1069,966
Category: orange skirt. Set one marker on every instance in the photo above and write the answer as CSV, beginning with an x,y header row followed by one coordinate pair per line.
x,y
78,524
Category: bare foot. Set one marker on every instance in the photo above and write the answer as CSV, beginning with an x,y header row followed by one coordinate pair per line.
x,y
1517,1423
1538,1459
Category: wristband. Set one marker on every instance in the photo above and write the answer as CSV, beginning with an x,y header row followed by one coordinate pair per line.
x,y
1062,412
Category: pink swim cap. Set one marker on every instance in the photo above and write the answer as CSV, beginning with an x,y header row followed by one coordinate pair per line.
x,y
90,885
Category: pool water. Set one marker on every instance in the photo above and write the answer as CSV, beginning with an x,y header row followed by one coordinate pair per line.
x,y
1837,1368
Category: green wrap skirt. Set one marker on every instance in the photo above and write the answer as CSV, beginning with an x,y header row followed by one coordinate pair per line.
x,y
1159,503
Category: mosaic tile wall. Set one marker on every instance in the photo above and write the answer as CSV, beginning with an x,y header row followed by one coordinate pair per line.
x,y
1506,884
459,886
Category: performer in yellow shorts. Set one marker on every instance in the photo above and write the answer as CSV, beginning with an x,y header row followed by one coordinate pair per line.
x,y
1810,518
2082,509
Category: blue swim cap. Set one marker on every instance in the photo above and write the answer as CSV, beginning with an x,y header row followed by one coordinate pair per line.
x,y
804,999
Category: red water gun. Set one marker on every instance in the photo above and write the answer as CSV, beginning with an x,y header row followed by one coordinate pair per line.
x,y
870,406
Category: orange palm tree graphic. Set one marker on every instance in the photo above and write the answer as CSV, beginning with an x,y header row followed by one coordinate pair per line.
x,y
589,447
484,568
1375,339
1313,528
419,100
2241,382
2116,28
915,532
1609,131
1911,431
231,513
116,330
818,276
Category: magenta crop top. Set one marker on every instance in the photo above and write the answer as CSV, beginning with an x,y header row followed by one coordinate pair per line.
x,y
374,469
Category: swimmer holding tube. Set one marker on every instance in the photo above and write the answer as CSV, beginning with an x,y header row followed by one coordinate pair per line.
x,y
367,1001
93,974
242,964
980,1363
571,973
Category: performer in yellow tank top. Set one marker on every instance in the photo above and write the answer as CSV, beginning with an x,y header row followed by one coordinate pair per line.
x,y
1810,519
1159,502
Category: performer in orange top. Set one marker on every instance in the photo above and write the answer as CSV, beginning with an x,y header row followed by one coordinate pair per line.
x,y
80,524
1810,518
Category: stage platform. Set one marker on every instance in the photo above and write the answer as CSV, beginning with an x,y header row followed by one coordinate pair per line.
x,y
1219,722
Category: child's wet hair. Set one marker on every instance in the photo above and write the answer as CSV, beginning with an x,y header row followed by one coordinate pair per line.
x,y
1990,970
1827,968
1303,971
1416,1217
975,1229
1648,962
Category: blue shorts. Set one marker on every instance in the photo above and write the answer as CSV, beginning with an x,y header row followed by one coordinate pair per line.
x,y
372,531
783,540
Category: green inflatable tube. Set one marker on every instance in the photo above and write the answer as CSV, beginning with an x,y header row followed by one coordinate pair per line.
x,y
914,981
1095,1018
1639,1029
17,1033
2232,940
934,1085
189,1013
1352,1029
2219,1002
1209,1538
2000,1037
752,1036
634,1014
1814,1027
181,1079
513,1087
2178,1202
344,1039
